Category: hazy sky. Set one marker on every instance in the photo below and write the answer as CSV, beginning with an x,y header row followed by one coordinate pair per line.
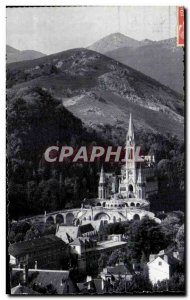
x,y
54,29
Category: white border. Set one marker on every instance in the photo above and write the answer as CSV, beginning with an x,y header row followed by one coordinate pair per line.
x,y
4,3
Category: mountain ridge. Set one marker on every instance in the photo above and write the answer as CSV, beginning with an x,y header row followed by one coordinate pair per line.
x,y
15,55
113,41
161,60
101,92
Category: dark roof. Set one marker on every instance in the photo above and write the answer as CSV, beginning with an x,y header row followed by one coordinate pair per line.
x,y
119,269
23,290
170,257
41,243
58,279
80,241
67,232
86,228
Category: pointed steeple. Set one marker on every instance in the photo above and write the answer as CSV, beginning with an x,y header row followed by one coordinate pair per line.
x,y
139,180
102,190
102,176
130,133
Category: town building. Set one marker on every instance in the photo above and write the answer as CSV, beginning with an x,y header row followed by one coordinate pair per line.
x,y
37,281
85,249
70,233
94,285
44,252
121,270
158,269
162,265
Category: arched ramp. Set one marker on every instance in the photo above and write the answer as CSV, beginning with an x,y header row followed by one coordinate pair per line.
x,y
59,219
102,216
69,218
136,217
50,220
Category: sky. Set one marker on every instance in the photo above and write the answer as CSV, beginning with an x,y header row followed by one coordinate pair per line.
x,y
55,29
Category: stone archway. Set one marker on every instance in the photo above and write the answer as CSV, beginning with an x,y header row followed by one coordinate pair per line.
x,y
50,220
69,218
136,217
132,204
59,219
102,216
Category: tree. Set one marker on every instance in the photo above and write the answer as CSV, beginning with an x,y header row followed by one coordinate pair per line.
x,y
145,236
102,261
140,283
170,226
180,237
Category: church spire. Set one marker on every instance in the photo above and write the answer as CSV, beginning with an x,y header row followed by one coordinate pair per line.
x,y
102,176
102,190
139,180
130,133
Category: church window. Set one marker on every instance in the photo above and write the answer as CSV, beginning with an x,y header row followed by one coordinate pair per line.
x,y
130,188
160,263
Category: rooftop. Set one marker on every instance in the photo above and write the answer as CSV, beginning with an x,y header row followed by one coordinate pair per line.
x,y
22,290
119,269
59,279
41,243
106,245
69,233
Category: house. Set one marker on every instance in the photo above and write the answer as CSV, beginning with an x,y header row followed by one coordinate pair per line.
x,y
37,281
162,265
95,285
97,224
112,273
85,249
47,252
158,269
69,233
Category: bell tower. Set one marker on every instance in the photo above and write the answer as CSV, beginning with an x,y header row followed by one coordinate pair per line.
x,y
130,160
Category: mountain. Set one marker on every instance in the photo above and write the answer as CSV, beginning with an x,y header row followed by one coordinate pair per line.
x,y
160,60
14,55
112,42
102,92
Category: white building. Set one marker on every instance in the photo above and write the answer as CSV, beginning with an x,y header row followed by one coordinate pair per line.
x,y
158,269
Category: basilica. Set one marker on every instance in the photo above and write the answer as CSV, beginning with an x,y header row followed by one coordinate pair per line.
x,y
120,197
124,197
